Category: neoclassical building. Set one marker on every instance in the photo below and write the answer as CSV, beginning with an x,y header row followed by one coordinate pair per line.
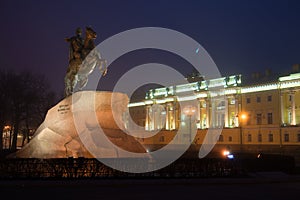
x,y
258,116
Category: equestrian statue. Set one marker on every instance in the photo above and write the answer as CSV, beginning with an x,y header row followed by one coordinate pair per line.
x,y
83,58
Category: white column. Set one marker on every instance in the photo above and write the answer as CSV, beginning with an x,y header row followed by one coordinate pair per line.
x,y
282,109
174,115
199,114
167,125
226,112
158,118
213,113
147,123
236,112
207,114
293,108
153,118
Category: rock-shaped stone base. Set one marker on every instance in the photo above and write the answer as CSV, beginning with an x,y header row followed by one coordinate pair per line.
x,y
67,124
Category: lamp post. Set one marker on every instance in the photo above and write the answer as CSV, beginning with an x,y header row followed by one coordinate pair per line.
x,y
190,111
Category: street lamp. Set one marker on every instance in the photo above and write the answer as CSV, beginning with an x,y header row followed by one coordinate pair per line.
x,y
190,111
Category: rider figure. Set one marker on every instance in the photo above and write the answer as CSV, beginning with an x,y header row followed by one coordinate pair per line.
x,y
76,44
75,60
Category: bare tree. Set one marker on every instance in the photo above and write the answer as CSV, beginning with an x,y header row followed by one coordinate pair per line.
x,y
26,98
4,105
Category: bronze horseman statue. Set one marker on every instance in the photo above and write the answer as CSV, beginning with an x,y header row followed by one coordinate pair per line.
x,y
83,58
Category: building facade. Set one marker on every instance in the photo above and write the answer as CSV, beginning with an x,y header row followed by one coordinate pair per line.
x,y
260,117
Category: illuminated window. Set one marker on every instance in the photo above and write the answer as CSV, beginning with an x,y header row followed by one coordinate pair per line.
x,y
270,118
259,137
270,136
286,137
258,118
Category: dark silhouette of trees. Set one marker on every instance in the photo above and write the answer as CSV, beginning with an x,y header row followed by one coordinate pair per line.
x,y
25,98
4,102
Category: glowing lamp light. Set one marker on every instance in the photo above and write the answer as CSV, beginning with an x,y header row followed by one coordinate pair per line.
x,y
226,153
243,116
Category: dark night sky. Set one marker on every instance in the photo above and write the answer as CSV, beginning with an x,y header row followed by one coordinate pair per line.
x,y
241,36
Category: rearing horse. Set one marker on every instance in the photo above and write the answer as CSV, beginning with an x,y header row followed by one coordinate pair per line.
x,y
79,69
